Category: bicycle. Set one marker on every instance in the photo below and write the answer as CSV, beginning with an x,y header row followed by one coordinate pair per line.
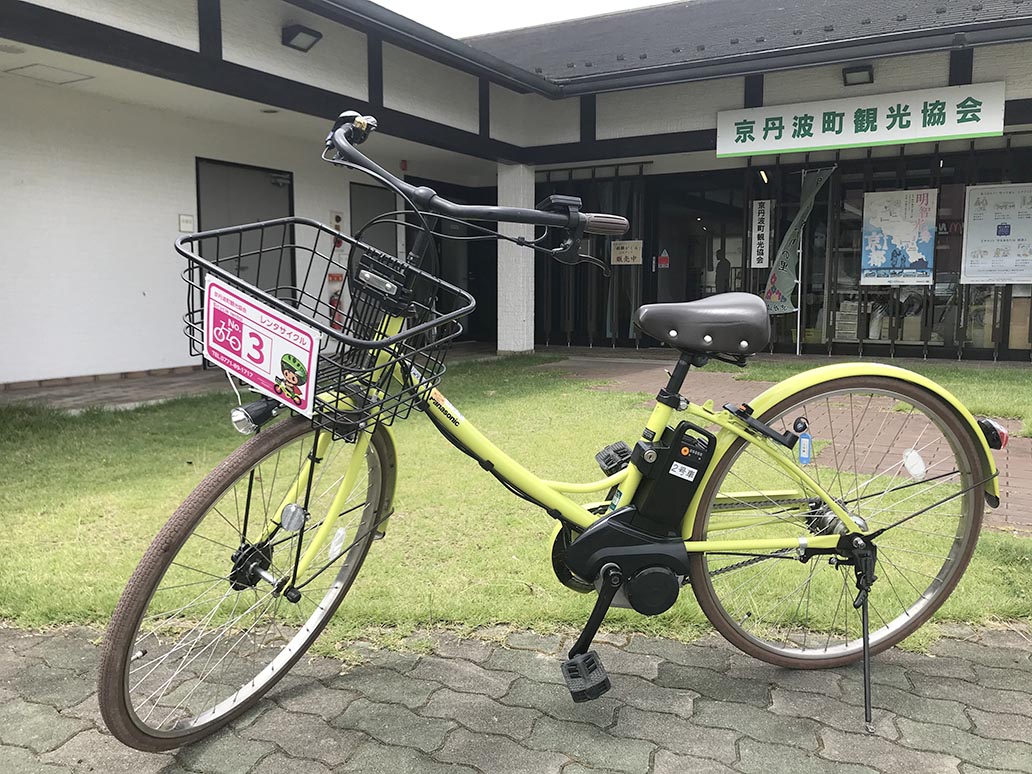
x,y
780,513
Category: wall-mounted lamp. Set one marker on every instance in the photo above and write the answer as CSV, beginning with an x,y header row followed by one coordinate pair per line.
x,y
857,76
300,38
763,176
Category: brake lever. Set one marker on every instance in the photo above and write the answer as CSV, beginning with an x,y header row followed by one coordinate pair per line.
x,y
567,257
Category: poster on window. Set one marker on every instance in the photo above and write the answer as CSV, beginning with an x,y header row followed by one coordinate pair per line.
x,y
997,235
899,237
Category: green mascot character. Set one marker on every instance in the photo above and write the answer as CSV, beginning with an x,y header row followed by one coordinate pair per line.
x,y
294,375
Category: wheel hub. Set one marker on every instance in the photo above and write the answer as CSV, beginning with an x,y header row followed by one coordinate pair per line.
x,y
822,521
248,563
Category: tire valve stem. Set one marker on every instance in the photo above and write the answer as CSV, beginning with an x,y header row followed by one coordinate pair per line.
x,y
137,655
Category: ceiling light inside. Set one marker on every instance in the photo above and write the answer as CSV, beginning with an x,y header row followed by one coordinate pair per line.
x,y
763,176
48,74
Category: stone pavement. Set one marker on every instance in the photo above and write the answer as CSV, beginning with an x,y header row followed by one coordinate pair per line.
x,y
497,706
121,393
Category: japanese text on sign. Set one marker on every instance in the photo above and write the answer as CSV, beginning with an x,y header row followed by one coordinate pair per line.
x,y
626,252
950,112
899,237
761,226
257,344
998,235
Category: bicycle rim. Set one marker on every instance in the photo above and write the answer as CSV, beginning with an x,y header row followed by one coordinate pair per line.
x,y
194,641
896,457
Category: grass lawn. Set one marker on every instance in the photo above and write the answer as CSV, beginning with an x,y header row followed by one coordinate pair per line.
x,y
83,495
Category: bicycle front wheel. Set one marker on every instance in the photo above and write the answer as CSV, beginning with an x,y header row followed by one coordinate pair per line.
x,y
894,455
199,635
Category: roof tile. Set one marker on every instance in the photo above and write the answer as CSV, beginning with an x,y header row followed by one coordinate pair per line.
x,y
695,31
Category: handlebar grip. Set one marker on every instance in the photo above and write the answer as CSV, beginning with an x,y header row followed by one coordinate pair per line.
x,y
606,225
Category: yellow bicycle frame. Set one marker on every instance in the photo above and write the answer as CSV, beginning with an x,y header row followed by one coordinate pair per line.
x,y
553,494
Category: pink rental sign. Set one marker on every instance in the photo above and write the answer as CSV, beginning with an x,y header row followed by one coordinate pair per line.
x,y
273,353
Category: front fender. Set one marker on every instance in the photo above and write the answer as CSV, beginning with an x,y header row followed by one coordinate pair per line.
x,y
778,392
390,472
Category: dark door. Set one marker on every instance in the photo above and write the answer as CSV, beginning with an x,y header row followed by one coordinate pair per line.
x,y
235,194
369,202
466,262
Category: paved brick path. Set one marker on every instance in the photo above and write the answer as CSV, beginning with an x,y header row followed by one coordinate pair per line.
x,y
498,707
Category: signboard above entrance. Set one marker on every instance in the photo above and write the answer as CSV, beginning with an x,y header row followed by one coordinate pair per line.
x,y
928,115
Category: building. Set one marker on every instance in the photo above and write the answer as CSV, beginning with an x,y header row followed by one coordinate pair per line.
x,y
125,124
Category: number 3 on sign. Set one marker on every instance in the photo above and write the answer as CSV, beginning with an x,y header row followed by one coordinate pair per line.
x,y
256,349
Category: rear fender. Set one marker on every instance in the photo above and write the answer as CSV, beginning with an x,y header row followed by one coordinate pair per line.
x,y
782,390
778,392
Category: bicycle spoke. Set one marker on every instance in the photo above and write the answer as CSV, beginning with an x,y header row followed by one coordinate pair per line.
x,y
214,632
893,463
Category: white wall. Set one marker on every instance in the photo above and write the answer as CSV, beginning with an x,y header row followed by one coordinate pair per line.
x,y
1011,63
252,36
679,107
170,21
419,86
90,279
900,73
530,119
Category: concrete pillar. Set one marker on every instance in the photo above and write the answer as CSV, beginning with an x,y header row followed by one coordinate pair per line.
x,y
515,264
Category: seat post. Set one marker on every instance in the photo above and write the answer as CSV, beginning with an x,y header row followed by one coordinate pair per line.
x,y
671,394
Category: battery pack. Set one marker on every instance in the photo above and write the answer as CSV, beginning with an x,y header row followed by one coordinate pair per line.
x,y
672,470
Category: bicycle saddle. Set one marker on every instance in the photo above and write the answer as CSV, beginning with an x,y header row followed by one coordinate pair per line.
x,y
730,323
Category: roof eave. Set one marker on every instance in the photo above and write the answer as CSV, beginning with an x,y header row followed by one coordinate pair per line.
x,y
920,41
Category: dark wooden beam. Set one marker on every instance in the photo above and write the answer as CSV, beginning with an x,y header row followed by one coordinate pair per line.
x,y
587,118
753,90
38,26
484,106
962,66
374,68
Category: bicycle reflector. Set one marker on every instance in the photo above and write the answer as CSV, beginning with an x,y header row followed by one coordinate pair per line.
x,y
247,419
995,434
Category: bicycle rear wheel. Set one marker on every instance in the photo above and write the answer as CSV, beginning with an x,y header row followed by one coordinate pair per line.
x,y
198,636
887,450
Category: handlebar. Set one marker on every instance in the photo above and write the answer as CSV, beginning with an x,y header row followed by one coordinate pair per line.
x,y
352,129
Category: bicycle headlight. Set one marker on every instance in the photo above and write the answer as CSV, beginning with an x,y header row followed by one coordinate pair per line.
x,y
242,421
248,419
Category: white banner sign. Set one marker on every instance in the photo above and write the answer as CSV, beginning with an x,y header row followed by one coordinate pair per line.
x,y
928,115
626,252
997,235
761,228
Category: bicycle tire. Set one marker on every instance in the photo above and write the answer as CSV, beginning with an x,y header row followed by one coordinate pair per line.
x,y
748,631
120,640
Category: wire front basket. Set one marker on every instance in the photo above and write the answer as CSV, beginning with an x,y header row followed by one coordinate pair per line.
x,y
384,325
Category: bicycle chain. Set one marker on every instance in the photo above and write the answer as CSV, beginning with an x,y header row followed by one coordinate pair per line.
x,y
748,562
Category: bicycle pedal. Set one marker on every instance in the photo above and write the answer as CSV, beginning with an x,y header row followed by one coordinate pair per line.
x,y
585,676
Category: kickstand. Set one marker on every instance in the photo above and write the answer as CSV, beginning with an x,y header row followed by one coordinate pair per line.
x,y
864,557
